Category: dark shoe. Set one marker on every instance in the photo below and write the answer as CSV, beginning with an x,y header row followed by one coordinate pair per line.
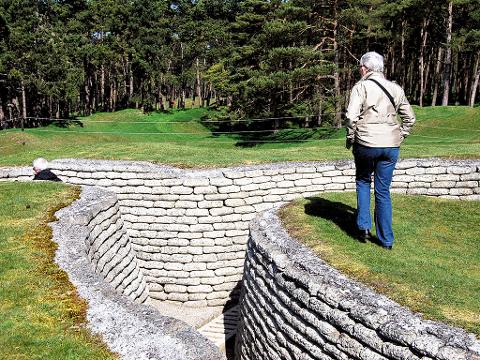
x,y
387,247
364,235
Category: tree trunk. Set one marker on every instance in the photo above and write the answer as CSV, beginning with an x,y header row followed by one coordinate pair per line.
x,y
110,97
181,100
320,108
50,106
198,83
130,88
457,80
102,88
410,80
424,35
2,117
403,66
94,86
453,87
427,73
114,94
338,95
466,80
87,95
24,105
10,114
392,62
290,85
161,101
171,97
209,95
448,56
436,76
473,92
369,26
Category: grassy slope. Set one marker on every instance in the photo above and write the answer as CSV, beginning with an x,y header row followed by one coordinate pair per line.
x,y
41,316
449,132
115,136
433,268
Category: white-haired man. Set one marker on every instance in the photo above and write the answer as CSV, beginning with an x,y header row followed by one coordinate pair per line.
x,y
375,134
42,172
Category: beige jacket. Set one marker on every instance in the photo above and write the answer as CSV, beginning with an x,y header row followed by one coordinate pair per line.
x,y
371,117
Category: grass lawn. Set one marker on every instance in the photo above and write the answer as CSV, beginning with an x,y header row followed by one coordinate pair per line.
x,y
433,267
178,138
41,315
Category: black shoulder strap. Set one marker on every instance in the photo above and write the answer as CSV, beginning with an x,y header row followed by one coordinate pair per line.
x,y
390,97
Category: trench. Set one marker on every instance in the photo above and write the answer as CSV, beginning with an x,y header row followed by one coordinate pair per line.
x,y
177,239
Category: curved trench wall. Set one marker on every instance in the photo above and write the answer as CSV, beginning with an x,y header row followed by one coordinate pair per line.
x,y
294,306
108,245
92,247
189,228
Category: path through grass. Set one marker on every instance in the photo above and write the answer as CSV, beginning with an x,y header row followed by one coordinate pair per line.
x,y
41,316
433,268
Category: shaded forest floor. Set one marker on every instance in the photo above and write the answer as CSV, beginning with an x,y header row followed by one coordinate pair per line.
x,y
182,139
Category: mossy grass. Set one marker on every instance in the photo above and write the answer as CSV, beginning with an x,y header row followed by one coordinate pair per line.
x,y
433,267
180,138
42,315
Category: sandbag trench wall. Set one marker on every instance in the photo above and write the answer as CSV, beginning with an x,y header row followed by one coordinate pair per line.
x,y
133,331
108,246
296,307
189,228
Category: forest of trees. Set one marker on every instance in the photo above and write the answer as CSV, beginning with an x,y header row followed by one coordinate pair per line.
x,y
256,58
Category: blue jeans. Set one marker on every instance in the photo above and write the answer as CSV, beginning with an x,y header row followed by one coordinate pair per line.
x,y
381,162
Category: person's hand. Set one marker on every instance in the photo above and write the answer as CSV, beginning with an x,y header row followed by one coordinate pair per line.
x,y
348,144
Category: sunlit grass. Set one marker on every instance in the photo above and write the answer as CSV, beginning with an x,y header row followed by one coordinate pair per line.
x,y
179,138
41,315
433,267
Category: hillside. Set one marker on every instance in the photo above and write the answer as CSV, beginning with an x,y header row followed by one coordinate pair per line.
x,y
180,138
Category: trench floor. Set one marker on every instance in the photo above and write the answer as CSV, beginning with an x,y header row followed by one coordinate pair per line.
x,y
222,328
216,323
193,316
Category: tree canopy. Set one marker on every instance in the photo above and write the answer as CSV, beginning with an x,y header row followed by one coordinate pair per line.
x,y
256,58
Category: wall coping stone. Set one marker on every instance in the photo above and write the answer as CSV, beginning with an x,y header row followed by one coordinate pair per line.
x,y
135,331
12,172
144,166
387,317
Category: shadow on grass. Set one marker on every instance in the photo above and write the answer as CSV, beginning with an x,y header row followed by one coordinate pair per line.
x,y
66,123
344,216
285,135
32,123
254,132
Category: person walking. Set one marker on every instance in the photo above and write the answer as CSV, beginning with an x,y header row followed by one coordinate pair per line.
x,y
376,134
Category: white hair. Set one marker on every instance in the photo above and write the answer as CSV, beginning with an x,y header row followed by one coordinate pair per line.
x,y
372,61
40,164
